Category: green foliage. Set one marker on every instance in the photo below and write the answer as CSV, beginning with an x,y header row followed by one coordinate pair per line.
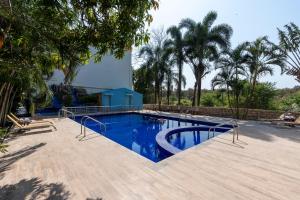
x,y
40,36
208,100
290,102
176,46
154,69
143,83
203,44
212,99
289,44
264,96
185,102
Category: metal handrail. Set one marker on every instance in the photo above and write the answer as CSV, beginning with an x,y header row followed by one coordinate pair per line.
x,y
236,130
83,121
65,111
131,106
235,126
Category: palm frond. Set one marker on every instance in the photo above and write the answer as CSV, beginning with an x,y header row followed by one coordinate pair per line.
x,y
210,18
187,24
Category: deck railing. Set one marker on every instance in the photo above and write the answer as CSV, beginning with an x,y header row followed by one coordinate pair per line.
x,y
65,113
79,110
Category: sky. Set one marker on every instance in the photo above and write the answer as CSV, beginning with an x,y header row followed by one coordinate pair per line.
x,y
249,19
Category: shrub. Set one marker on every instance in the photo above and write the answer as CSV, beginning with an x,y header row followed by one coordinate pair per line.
x,y
291,102
186,102
208,100
264,96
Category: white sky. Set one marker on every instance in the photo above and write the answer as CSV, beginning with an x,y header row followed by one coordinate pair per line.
x,y
249,19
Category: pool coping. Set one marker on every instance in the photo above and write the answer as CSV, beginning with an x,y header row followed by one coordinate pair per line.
x,y
161,137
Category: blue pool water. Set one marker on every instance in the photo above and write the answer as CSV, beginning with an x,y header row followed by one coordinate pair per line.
x,y
137,132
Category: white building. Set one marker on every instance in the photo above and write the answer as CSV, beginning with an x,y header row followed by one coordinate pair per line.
x,y
110,73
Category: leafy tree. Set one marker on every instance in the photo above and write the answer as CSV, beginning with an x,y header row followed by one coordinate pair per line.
x,y
203,41
37,37
143,82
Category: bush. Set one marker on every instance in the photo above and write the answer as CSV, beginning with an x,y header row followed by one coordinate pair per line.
x,y
208,100
264,96
291,102
186,102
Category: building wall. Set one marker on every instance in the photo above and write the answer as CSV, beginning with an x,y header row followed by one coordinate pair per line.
x,y
110,73
120,97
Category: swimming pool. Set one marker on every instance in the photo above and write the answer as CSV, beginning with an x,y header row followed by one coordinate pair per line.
x,y
138,132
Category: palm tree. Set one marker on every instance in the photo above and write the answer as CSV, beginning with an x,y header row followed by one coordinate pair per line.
x,y
143,82
170,76
176,45
156,60
176,80
202,44
262,57
232,65
222,80
289,45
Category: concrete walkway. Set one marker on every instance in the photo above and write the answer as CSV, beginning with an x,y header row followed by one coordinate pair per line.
x,y
264,164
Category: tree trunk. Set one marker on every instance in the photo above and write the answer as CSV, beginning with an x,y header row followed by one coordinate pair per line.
x,y
4,103
12,100
237,95
156,92
168,94
2,88
179,83
159,97
194,95
237,105
222,97
199,91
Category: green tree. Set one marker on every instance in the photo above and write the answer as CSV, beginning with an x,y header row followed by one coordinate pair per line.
x,y
37,37
264,95
143,82
176,44
232,66
263,56
203,41
169,82
157,61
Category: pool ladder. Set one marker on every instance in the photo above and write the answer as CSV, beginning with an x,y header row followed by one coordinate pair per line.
x,y
84,119
235,126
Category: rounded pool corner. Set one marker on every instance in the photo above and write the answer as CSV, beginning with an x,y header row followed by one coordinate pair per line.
x,y
165,145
